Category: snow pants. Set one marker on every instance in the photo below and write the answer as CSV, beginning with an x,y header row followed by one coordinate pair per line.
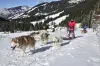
x,y
71,32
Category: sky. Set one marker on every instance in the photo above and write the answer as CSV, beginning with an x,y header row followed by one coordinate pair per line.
x,y
14,3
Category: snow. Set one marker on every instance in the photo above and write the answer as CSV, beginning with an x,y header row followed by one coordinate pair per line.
x,y
15,16
82,51
54,15
34,22
4,11
15,13
31,9
50,16
59,20
78,25
25,16
25,8
35,8
76,1
19,15
41,14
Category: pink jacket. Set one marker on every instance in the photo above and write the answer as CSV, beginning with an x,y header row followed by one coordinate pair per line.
x,y
71,25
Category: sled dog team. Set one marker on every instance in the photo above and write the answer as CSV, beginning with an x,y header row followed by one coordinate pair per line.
x,y
25,41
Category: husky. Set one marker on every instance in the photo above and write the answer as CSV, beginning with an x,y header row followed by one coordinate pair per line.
x,y
23,42
44,36
57,41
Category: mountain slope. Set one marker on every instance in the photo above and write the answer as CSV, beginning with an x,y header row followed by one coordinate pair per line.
x,y
55,12
10,12
73,8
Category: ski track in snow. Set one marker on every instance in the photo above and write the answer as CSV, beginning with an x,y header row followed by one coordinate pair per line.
x,y
83,49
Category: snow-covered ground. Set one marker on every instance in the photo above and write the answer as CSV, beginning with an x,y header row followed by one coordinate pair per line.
x,y
82,51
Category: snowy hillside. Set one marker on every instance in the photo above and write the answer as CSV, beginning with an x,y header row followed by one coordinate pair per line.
x,y
56,21
82,51
47,8
11,12
75,1
47,12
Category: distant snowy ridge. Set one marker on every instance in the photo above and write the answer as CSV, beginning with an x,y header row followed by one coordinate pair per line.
x,y
12,12
36,10
76,1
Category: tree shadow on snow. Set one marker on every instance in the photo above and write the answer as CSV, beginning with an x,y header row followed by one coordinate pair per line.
x,y
42,49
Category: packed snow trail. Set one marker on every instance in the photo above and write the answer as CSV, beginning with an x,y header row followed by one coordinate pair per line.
x,y
83,50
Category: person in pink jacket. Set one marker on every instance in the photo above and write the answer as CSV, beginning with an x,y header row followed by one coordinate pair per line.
x,y
71,28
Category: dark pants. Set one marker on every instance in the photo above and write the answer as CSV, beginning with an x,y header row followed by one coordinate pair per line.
x,y
71,32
